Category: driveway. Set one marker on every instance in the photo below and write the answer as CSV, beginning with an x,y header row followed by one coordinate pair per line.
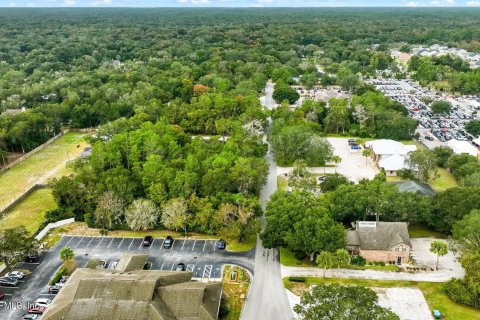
x,y
407,303
201,257
423,276
423,257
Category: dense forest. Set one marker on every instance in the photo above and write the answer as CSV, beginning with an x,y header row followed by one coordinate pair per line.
x,y
86,67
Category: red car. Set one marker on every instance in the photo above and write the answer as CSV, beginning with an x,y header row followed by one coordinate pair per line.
x,y
2,295
37,309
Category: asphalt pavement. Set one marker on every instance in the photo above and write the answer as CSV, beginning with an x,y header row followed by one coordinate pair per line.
x,y
200,257
267,298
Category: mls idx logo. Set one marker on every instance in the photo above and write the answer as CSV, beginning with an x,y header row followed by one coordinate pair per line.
x,y
11,305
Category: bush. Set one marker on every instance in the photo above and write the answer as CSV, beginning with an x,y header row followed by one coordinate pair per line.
x,y
58,214
223,311
58,275
300,255
297,279
358,261
88,218
458,290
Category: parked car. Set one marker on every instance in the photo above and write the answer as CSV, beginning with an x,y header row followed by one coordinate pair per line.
x,y
32,257
147,265
102,264
15,274
181,267
355,147
2,295
36,309
54,289
429,138
30,317
221,244
8,282
112,264
147,241
351,141
321,178
43,302
168,242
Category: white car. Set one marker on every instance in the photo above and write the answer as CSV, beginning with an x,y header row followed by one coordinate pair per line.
x,y
15,274
43,302
112,265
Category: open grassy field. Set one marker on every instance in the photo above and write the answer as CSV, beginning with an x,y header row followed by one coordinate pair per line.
x,y
420,230
433,293
444,181
30,211
42,166
287,258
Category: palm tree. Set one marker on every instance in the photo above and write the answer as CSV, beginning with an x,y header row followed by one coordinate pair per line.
x,y
440,248
367,152
66,254
337,160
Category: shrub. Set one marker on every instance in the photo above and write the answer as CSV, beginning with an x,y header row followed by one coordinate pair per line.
x,y
358,260
459,291
58,214
297,279
300,255
58,275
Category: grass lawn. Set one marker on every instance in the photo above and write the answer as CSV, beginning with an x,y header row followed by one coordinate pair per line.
x,y
420,230
41,166
390,267
287,258
30,211
282,183
234,245
233,291
433,293
393,179
444,181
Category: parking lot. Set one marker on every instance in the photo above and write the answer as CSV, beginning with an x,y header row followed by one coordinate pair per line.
x,y
434,129
201,257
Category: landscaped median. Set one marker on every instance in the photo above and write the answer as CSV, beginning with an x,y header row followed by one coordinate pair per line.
x,y
81,229
433,293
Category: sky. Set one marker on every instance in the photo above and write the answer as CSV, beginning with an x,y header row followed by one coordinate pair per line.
x,y
239,3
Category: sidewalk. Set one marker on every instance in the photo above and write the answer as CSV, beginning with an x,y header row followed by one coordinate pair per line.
x,y
434,276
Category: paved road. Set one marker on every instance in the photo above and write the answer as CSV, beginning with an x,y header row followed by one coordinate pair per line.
x,y
267,298
200,256
269,103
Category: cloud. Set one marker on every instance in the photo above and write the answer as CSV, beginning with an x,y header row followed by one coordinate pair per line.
x,y
98,3
68,3
412,4
473,3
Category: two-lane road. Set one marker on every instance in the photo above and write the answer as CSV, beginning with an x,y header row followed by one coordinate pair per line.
x,y
267,298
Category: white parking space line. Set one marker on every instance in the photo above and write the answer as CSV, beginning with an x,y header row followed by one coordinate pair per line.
x,y
99,243
161,246
152,244
173,265
79,242
194,241
110,243
161,268
130,244
204,245
214,245
69,241
173,243
183,244
207,271
190,267
120,243
140,246
89,242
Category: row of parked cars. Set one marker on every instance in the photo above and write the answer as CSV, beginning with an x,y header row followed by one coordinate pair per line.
x,y
167,244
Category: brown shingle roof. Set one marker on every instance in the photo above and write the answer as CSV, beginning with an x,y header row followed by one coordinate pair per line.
x,y
383,236
92,294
